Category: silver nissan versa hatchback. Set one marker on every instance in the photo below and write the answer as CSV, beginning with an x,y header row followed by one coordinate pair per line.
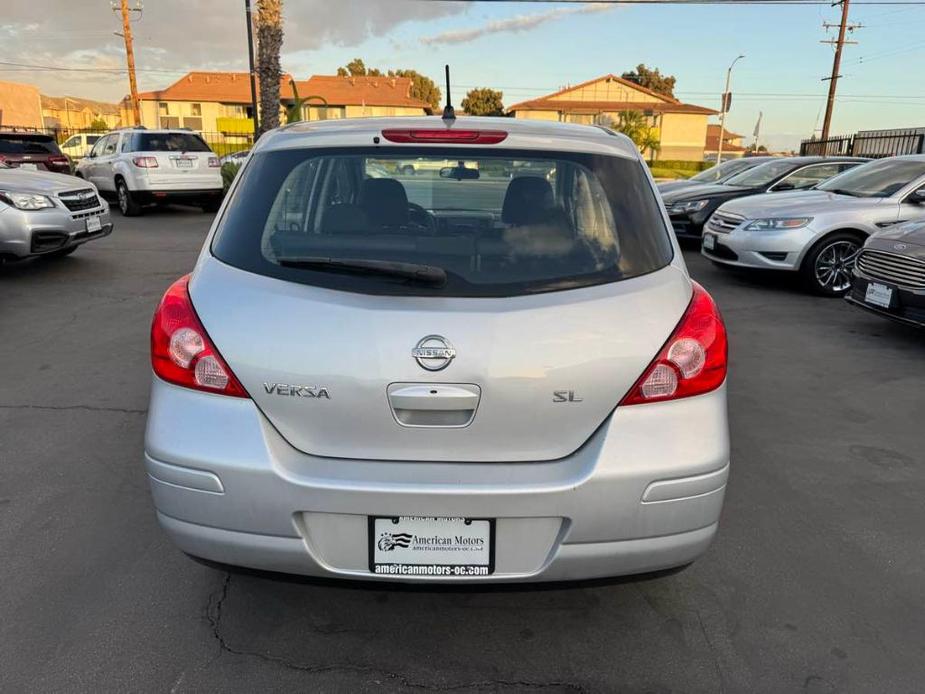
x,y
495,369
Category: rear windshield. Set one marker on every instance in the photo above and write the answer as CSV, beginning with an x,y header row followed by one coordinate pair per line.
x,y
167,142
494,223
28,144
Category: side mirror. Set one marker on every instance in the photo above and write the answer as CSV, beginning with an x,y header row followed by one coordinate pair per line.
x,y
917,197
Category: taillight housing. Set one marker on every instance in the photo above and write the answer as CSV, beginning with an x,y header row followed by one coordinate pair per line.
x,y
145,162
181,351
692,362
445,136
59,160
215,162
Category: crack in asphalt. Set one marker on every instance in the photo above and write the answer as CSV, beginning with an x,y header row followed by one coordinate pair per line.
x,y
214,610
87,408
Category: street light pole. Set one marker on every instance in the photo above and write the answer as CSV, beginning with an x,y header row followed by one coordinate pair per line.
x,y
722,114
250,61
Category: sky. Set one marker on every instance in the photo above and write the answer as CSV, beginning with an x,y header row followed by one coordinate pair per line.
x,y
523,49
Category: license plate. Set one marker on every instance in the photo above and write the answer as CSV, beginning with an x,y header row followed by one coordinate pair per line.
x,y
428,546
94,224
29,167
879,295
184,163
709,242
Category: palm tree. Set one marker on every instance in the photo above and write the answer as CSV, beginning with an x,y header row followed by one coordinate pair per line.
x,y
633,124
269,27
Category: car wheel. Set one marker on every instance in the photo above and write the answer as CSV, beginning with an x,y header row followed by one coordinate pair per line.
x,y
829,265
127,204
407,170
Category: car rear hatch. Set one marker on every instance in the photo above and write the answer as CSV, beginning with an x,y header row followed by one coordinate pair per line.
x,y
536,375
183,161
32,151
558,292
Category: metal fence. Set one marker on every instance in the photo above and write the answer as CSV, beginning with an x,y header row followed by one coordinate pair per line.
x,y
869,143
221,142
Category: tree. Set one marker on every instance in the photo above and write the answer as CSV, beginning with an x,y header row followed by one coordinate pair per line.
x,y
652,79
269,27
634,125
99,124
483,102
422,87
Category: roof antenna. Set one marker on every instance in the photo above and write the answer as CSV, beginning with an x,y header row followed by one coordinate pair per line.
x,y
448,112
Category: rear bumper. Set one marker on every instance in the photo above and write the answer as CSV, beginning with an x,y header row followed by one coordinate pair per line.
x,y
192,196
228,488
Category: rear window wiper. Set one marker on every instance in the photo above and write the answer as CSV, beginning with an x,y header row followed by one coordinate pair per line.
x,y
429,274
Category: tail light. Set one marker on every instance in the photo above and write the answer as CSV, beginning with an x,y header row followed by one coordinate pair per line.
x,y
214,162
181,351
59,160
446,135
692,362
145,162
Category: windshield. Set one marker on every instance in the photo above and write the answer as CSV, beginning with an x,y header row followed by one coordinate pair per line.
x,y
496,223
763,174
168,142
27,144
722,171
878,179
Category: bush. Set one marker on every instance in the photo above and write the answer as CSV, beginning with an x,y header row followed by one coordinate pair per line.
x,y
677,165
229,171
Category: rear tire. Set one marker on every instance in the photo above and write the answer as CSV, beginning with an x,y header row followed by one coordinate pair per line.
x,y
407,170
127,204
827,267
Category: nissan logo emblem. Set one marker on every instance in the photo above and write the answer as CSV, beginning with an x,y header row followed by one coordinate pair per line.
x,y
433,352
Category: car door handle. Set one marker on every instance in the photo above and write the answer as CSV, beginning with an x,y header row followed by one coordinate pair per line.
x,y
437,396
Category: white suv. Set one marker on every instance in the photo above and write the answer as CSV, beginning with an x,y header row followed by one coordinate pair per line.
x,y
143,167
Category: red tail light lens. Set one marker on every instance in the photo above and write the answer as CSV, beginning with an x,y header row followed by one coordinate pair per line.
x,y
214,162
446,136
59,160
692,362
145,162
181,351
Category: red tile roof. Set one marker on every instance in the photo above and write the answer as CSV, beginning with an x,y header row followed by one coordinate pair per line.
x,y
712,143
361,91
666,104
234,88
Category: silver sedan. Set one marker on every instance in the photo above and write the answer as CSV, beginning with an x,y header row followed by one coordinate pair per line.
x,y
48,214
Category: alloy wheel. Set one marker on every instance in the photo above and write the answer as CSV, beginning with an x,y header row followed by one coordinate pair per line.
x,y
834,265
123,199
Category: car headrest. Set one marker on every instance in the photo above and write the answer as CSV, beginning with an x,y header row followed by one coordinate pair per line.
x,y
528,200
384,201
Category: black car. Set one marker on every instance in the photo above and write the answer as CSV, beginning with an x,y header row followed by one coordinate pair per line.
x,y
715,174
889,274
690,207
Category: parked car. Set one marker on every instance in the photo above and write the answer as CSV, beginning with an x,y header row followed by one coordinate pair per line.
x,y
432,167
715,174
78,146
32,152
690,208
236,157
142,167
818,233
445,379
47,214
889,275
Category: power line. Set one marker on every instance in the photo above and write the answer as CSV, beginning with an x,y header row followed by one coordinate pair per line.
x,y
839,43
60,68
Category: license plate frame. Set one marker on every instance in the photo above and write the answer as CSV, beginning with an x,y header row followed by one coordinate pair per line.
x,y
709,242
183,162
28,166
879,295
414,558
94,224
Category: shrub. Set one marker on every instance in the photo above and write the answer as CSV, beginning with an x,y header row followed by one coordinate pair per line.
x,y
229,171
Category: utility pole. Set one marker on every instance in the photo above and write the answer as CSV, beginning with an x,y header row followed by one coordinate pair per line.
x,y
250,60
130,58
839,43
727,102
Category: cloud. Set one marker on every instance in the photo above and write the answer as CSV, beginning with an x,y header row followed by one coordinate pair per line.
x,y
174,36
523,22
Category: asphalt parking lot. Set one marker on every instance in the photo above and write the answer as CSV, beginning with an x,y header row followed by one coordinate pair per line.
x,y
816,581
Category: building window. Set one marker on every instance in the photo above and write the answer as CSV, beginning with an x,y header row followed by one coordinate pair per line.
x,y
192,123
163,108
195,110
